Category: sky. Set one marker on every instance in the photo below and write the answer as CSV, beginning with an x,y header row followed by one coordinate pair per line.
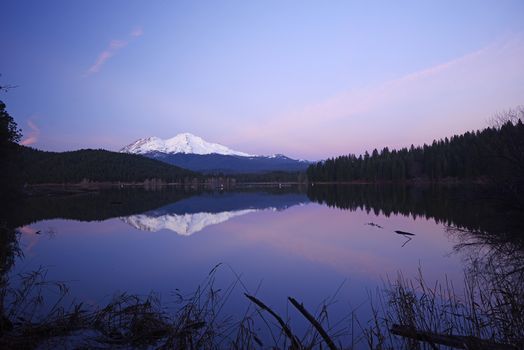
x,y
309,79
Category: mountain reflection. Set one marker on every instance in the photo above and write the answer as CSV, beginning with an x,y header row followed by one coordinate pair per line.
x,y
185,224
184,211
192,215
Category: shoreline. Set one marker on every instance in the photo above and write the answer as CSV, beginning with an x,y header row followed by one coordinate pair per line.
x,y
51,189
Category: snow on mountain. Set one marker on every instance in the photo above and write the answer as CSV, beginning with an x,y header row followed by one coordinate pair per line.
x,y
182,143
185,224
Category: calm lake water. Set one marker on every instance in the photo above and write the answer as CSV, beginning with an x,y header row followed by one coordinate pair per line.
x,y
309,243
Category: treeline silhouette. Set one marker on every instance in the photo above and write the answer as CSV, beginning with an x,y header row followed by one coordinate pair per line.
x,y
495,152
468,207
37,166
10,135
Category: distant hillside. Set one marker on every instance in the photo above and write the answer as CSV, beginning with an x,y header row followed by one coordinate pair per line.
x,y
37,166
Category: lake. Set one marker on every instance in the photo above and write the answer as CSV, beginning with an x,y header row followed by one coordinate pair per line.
x,y
317,243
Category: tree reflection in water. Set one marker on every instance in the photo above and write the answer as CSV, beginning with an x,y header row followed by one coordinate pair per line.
x,y
495,271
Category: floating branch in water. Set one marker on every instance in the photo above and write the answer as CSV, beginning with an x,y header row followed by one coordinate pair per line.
x,y
453,341
374,225
404,233
407,241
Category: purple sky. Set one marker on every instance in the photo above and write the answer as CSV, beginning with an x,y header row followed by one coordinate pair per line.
x,y
307,79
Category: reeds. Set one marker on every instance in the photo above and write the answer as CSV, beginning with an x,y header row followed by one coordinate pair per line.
x,y
487,312
127,321
131,321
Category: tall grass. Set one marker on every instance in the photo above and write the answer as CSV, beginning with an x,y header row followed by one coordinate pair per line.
x,y
198,321
486,312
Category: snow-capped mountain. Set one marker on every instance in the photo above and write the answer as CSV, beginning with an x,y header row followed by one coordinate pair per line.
x,y
182,143
194,153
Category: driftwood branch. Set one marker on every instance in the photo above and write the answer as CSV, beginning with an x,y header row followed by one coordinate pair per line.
x,y
314,322
454,341
295,343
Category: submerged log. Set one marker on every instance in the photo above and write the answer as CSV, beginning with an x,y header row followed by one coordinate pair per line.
x,y
453,341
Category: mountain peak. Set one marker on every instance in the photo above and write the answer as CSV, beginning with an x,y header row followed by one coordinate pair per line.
x,y
181,143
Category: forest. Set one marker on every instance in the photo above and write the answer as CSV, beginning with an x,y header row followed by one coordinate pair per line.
x,y
493,153
24,165
37,166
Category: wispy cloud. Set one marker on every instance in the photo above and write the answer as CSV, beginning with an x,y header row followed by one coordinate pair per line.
x,y
447,98
33,135
113,47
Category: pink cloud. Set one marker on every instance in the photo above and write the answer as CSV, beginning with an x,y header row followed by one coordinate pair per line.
x,y
114,46
30,238
111,50
117,44
448,98
33,134
28,230
320,235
